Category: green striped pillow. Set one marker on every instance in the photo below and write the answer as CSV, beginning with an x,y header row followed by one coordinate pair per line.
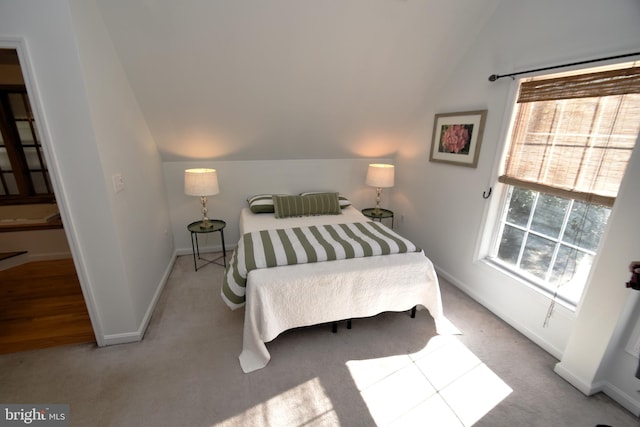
x,y
344,202
311,204
261,203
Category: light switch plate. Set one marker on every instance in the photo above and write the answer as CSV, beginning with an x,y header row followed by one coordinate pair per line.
x,y
118,183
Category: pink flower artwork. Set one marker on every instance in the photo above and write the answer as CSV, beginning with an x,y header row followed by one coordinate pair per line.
x,y
455,138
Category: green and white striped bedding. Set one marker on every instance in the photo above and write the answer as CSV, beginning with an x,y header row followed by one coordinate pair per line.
x,y
300,245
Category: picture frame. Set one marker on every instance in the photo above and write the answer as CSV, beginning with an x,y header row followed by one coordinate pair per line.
x,y
457,137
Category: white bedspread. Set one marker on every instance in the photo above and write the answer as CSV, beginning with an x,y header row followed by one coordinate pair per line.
x,y
277,298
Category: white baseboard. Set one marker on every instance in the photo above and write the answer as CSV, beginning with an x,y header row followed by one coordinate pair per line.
x,y
125,338
129,337
630,403
586,387
544,344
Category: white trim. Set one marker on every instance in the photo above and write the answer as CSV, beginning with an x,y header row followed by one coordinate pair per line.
x,y
124,338
129,337
586,387
489,224
631,403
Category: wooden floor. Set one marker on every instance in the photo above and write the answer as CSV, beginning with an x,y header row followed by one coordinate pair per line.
x,y
41,305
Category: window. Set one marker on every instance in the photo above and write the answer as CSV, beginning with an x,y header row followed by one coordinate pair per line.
x,y
24,177
570,140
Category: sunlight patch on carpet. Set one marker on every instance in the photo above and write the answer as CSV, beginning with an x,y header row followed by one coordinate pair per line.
x,y
306,404
443,384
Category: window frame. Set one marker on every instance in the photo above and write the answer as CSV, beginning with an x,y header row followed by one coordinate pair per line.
x,y
17,156
544,286
490,234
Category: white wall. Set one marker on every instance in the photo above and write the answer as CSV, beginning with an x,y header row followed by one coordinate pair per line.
x,y
443,204
241,179
139,212
82,129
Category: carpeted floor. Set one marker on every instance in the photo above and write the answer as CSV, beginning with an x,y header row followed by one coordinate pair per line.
x,y
387,370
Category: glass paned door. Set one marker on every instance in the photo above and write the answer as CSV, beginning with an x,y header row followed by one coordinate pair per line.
x,y
23,168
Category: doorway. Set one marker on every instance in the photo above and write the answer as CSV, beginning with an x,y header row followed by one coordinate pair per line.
x,y
41,300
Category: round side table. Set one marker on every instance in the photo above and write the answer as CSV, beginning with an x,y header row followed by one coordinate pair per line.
x,y
378,215
197,228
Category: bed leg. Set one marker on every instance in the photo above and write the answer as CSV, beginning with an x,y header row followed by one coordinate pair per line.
x,y
413,312
349,324
334,327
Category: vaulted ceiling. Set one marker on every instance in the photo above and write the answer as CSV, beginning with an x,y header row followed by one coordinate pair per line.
x,y
287,79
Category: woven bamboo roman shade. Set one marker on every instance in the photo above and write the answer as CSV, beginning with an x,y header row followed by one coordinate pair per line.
x,y
572,136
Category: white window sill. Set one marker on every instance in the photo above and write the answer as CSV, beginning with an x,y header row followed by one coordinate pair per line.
x,y
532,284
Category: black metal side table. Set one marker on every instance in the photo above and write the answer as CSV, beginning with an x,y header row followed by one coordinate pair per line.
x,y
378,215
196,228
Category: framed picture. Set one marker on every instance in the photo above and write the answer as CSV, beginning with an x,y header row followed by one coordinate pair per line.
x,y
457,138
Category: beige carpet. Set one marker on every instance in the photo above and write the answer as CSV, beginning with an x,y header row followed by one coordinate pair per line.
x,y
387,370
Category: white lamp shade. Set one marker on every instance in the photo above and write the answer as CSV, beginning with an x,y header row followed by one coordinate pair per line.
x,y
201,182
380,175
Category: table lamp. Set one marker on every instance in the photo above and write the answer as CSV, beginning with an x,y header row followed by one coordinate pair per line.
x,y
201,182
380,176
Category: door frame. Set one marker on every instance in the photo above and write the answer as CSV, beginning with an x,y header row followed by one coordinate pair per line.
x,y
20,45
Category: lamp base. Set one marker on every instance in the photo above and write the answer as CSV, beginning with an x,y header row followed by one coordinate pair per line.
x,y
376,210
206,224
205,219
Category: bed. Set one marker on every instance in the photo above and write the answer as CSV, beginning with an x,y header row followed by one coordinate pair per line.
x,y
277,298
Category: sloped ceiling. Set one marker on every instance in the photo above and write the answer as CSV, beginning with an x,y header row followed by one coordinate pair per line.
x,y
287,79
